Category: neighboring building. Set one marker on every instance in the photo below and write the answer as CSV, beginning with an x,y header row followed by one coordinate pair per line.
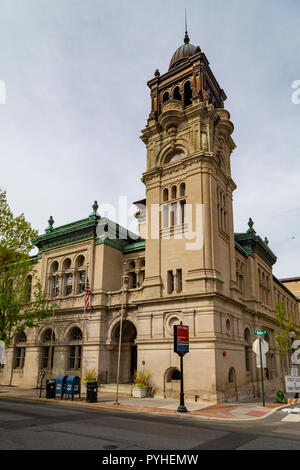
x,y
293,284
220,284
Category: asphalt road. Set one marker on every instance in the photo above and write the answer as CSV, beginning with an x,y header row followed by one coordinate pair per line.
x,y
42,426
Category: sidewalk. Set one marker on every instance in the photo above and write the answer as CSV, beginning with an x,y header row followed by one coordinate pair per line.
x,y
225,412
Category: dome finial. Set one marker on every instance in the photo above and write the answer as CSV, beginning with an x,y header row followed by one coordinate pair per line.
x,y
186,37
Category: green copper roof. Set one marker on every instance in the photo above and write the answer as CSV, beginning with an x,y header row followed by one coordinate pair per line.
x,y
253,245
94,227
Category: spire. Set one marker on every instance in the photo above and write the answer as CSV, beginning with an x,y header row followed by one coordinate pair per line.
x,y
186,37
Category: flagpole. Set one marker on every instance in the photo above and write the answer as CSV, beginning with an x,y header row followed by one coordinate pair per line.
x,y
120,334
84,322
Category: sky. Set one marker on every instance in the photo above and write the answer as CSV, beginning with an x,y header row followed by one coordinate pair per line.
x,y
76,99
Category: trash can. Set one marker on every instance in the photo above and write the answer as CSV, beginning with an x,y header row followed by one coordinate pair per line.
x,y
91,392
60,388
50,388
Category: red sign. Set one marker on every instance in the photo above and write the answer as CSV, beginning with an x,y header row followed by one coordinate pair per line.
x,y
181,339
182,334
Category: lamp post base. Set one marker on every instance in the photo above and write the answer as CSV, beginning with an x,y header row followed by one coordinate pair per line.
x,y
182,409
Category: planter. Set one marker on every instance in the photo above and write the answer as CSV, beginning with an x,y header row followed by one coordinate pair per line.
x,y
139,392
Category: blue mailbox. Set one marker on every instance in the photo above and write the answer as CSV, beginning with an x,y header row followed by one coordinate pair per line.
x,y
60,387
73,386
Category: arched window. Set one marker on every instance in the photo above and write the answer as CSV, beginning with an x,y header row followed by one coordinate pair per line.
x,y
165,195
176,94
166,97
187,94
231,375
79,261
174,192
54,267
182,189
66,264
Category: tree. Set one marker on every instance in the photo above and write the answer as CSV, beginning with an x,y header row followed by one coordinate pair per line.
x,y
286,324
23,303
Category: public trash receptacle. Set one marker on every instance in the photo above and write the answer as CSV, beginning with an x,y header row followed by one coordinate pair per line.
x,y
50,388
91,392
60,388
73,386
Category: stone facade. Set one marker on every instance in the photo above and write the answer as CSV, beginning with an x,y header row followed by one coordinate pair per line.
x,y
187,264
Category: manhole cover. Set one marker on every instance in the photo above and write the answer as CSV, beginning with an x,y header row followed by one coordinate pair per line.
x,y
109,447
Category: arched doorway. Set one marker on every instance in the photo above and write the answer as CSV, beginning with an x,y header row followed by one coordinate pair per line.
x,y
128,357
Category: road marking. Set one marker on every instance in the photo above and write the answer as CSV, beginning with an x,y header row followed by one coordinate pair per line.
x,y
292,418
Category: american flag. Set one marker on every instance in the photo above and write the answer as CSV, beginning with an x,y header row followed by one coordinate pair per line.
x,y
87,294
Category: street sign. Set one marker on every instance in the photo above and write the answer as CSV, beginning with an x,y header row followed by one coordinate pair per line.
x,y
260,332
264,346
292,384
181,339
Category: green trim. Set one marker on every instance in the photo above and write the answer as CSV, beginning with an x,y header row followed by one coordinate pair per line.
x,y
139,246
241,250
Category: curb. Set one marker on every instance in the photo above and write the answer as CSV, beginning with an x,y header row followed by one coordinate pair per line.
x,y
163,412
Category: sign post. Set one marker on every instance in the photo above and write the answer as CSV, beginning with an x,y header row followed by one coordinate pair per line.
x,y
260,334
181,347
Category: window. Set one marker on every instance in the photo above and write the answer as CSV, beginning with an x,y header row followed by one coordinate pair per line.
x,y
47,357
231,375
81,284
165,195
174,192
187,94
240,273
55,286
76,334
132,280
222,210
179,280
69,284
182,212
165,216
20,357
174,215
248,349
264,286
170,282
75,357
182,189
176,94
166,96
75,349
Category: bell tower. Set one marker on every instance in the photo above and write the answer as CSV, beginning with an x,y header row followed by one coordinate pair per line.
x,y
190,242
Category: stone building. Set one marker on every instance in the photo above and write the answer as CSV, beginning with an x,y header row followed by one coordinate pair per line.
x,y
186,264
